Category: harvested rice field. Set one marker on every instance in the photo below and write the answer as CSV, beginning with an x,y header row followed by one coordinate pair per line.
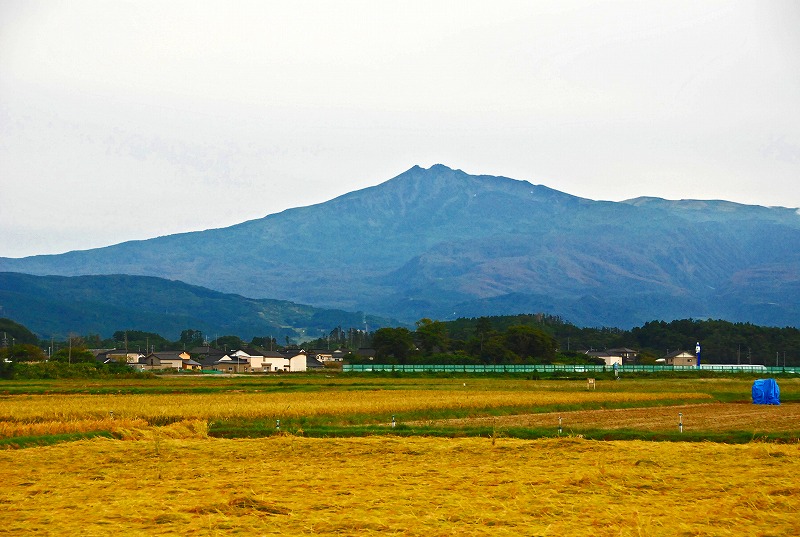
x,y
287,485
468,456
716,417
330,404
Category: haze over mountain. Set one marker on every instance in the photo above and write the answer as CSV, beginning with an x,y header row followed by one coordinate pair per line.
x,y
441,243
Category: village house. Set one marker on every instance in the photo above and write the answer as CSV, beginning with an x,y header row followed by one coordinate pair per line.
x,y
262,361
327,355
683,358
165,360
629,356
232,364
313,364
207,356
300,360
191,365
608,358
245,360
297,360
114,355
273,361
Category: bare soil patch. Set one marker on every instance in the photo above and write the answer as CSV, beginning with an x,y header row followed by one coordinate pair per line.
x,y
717,417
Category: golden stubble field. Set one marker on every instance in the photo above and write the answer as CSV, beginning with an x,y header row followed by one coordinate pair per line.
x,y
405,486
378,402
174,479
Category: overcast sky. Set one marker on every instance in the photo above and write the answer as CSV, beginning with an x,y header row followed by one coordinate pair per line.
x,y
129,120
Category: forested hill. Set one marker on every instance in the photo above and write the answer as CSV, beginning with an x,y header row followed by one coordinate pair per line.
x,y
56,306
13,333
444,244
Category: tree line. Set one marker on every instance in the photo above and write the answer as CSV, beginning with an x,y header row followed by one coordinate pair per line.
x,y
534,338
721,341
542,338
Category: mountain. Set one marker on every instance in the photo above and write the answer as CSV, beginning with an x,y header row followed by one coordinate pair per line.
x,y
441,243
58,305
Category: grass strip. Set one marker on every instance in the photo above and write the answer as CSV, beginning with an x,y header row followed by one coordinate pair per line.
x,y
21,442
229,430
267,423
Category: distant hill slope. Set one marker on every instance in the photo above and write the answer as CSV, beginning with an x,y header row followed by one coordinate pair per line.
x,y
58,305
444,244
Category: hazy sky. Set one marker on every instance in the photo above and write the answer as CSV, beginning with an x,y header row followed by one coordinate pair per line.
x,y
129,120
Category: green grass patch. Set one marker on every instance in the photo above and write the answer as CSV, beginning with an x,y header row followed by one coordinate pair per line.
x,y
525,433
21,442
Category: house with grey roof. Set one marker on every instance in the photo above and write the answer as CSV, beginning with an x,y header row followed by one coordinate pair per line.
x,y
232,364
683,358
608,359
166,360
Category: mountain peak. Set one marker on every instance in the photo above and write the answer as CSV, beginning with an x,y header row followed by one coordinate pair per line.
x,y
442,168
434,241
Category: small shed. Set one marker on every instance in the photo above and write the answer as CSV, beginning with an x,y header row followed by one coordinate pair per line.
x,y
766,392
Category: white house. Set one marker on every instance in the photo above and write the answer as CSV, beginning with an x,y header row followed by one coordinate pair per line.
x,y
273,361
270,362
608,358
297,361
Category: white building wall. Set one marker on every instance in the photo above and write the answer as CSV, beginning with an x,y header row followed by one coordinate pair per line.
x,y
272,364
297,363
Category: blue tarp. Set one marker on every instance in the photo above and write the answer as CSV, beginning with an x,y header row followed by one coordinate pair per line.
x,y
766,392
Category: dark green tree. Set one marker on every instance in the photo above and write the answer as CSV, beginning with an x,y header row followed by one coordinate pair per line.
x,y
393,342
266,343
74,355
191,337
495,351
144,342
24,352
431,336
228,343
528,342
483,326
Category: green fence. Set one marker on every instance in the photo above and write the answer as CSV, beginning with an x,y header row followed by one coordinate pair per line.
x,y
563,368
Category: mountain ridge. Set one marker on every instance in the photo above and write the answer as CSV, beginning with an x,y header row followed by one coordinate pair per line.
x,y
439,242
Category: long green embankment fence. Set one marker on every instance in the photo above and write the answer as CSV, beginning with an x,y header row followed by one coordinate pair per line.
x,y
563,368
